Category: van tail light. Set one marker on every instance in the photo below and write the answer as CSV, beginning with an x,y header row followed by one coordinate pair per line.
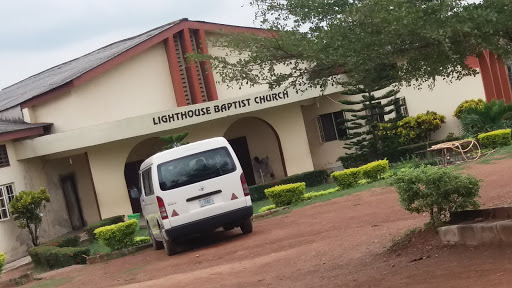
x,y
161,208
245,187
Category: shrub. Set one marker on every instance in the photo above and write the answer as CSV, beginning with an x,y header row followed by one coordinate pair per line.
x,y
69,241
475,104
490,117
373,171
27,208
137,241
2,261
117,236
284,195
347,178
267,208
311,178
311,195
105,222
50,257
417,129
437,191
495,139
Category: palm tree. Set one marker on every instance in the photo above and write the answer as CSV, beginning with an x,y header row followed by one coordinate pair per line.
x,y
491,116
174,141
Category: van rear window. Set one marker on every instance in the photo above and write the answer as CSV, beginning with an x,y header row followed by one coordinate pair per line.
x,y
195,168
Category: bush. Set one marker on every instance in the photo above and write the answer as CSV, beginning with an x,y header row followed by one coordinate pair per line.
x,y
311,195
284,195
495,139
27,208
70,241
373,171
474,104
137,241
105,222
2,261
50,257
490,117
267,208
347,178
117,236
311,178
437,191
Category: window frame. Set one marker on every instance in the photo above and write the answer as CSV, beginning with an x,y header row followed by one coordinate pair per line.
x,y
3,151
146,176
7,199
333,122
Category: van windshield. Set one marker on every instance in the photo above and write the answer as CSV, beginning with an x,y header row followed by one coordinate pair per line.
x,y
195,168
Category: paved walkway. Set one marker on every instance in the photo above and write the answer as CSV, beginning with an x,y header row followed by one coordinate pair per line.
x,y
17,263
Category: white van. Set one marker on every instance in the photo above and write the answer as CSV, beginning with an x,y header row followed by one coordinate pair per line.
x,y
194,189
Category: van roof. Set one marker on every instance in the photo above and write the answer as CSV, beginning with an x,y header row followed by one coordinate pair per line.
x,y
185,150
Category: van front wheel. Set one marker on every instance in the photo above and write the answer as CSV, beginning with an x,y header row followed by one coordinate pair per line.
x,y
246,226
169,246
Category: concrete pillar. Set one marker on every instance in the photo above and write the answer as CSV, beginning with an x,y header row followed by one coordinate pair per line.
x,y
107,168
289,125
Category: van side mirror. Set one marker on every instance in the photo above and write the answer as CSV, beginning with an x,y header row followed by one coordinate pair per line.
x,y
134,193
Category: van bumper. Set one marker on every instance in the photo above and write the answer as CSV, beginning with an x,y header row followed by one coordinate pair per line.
x,y
233,217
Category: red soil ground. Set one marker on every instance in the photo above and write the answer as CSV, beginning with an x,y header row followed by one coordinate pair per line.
x,y
340,243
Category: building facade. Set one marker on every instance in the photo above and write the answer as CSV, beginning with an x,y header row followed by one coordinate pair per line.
x,y
81,129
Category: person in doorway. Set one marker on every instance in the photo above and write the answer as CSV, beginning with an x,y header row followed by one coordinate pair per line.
x,y
263,167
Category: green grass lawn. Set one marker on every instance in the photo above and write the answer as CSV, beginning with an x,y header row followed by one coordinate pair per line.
x,y
256,206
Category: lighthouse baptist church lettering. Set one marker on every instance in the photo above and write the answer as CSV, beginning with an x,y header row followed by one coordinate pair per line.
x,y
198,112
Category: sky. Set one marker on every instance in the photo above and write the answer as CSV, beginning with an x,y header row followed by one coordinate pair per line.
x,y
38,34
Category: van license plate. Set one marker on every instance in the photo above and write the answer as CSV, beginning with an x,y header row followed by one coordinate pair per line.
x,y
206,202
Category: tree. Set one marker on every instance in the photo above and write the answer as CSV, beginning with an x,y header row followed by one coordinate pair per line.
x,y
175,140
308,42
27,208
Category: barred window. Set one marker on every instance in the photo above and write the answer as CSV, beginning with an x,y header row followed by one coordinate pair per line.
x,y
6,196
330,126
4,159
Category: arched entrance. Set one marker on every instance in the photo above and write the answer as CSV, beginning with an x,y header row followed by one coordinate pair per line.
x,y
139,153
253,137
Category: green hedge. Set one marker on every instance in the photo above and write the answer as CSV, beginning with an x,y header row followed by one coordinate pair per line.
x,y
311,195
352,177
311,178
267,208
2,261
347,178
284,195
373,171
68,241
118,236
105,222
137,241
51,257
495,139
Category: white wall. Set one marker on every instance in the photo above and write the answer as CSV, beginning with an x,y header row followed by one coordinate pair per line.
x,y
138,86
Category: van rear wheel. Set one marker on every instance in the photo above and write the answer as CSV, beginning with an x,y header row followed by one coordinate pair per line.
x,y
157,245
169,245
246,226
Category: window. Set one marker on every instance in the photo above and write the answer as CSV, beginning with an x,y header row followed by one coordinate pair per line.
x,y
330,125
6,196
147,182
401,108
377,112
4,159
195,168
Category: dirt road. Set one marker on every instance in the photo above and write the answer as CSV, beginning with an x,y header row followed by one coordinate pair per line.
x,y
339,243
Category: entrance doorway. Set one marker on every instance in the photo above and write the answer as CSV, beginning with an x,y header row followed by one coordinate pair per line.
x,y
131,176
241,149
76,217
